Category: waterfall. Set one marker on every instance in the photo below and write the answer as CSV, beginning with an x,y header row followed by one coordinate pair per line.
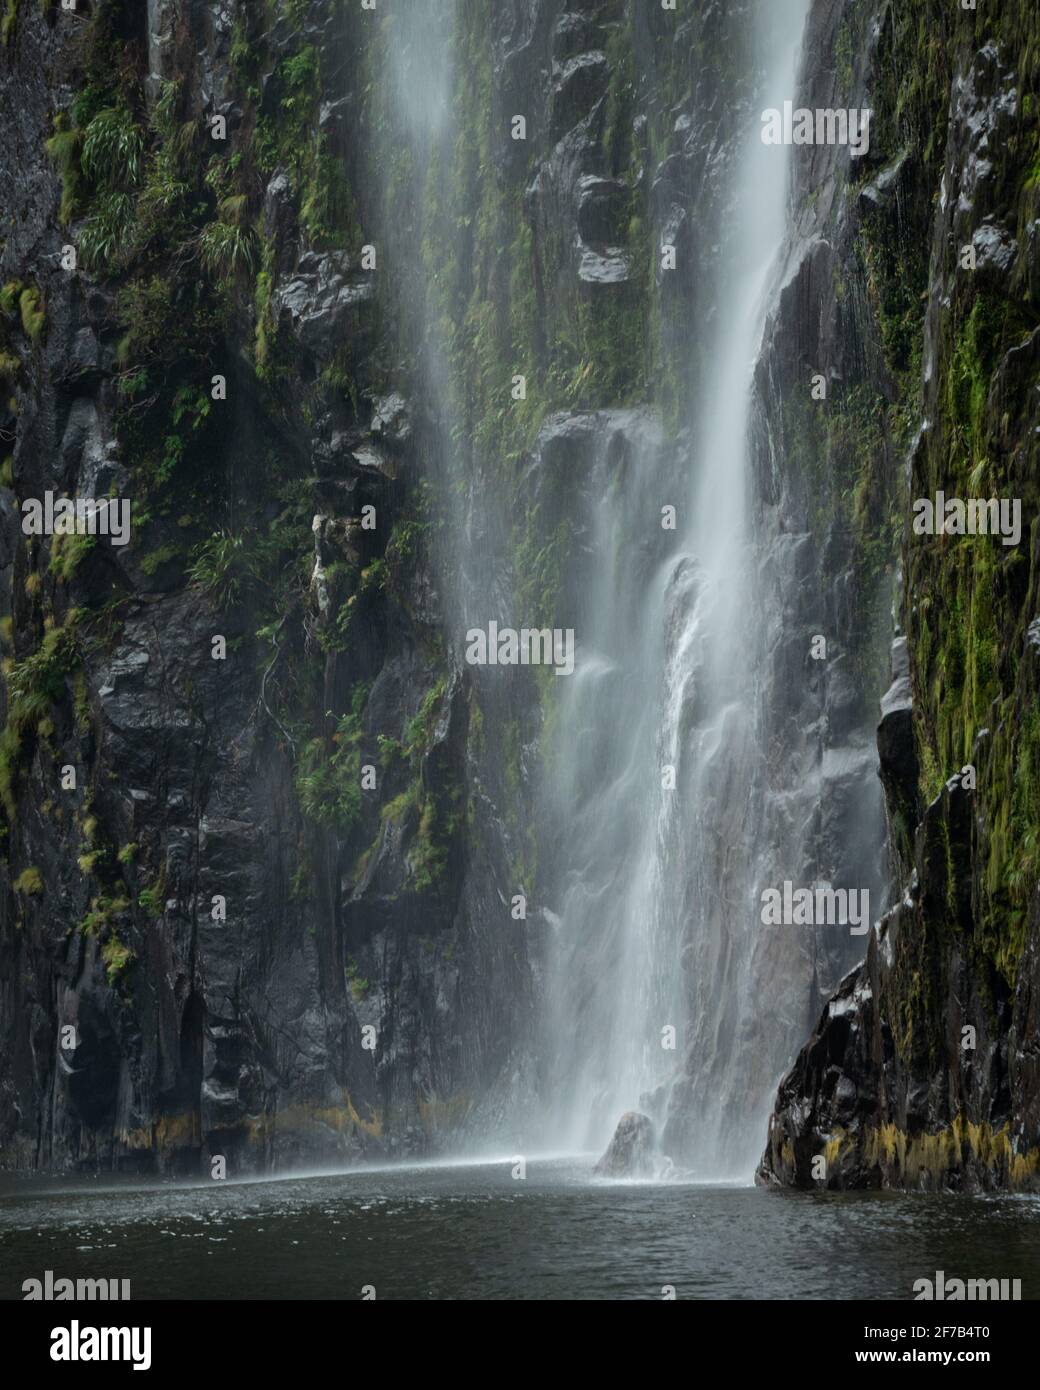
x,y
657,915
670,792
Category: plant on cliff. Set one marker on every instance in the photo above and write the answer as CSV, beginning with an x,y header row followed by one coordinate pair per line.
x,y
359,986
29,882
110,161
116,958
9,23
68,552
328,776
64,148
227,565
151,900
38,680
10,295
227,248
34,684
34,316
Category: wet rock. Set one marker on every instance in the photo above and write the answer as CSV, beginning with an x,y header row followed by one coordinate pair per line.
x,y
881,190
675,232
582,81
610,268
334,115
995,250
317,302
897,748
632,1151
161,21
573,34
391,419
602,206
280,216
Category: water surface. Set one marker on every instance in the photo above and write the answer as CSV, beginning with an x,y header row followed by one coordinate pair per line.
x,y
472,1231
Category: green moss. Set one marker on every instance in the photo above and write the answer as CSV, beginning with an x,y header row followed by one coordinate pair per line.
x,y
68,553
151,902
116,958
38,680
9,22
359,986
64,148
328,775
978,345
81,701
844,56
439,821
477,736
397,810
34,316
10,295
29,882
266,329
419,729
328,216
972,599
162,555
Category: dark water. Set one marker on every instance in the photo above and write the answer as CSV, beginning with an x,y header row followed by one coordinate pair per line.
x,y
474,1232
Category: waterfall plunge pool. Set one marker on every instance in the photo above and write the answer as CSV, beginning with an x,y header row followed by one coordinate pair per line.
x,y
471,1231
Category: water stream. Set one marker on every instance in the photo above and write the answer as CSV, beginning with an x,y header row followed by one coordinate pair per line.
x,y
660,738
660,819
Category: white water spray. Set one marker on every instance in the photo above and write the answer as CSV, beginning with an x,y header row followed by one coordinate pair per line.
x,y
657,916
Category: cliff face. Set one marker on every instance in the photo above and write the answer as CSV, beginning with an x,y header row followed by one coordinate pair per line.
x,y
225,861
922,1070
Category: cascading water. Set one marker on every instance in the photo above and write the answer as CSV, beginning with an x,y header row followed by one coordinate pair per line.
x,y
662,818
657,911
415,142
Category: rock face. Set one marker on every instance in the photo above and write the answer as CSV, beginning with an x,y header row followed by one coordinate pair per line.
x,y
632,1153
210,942
922,1070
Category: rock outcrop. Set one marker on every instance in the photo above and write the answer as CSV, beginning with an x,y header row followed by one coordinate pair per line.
x,y
632,1152
922,1069
218,934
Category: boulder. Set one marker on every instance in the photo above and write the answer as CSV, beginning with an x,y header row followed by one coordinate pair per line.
x,y
632,1153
